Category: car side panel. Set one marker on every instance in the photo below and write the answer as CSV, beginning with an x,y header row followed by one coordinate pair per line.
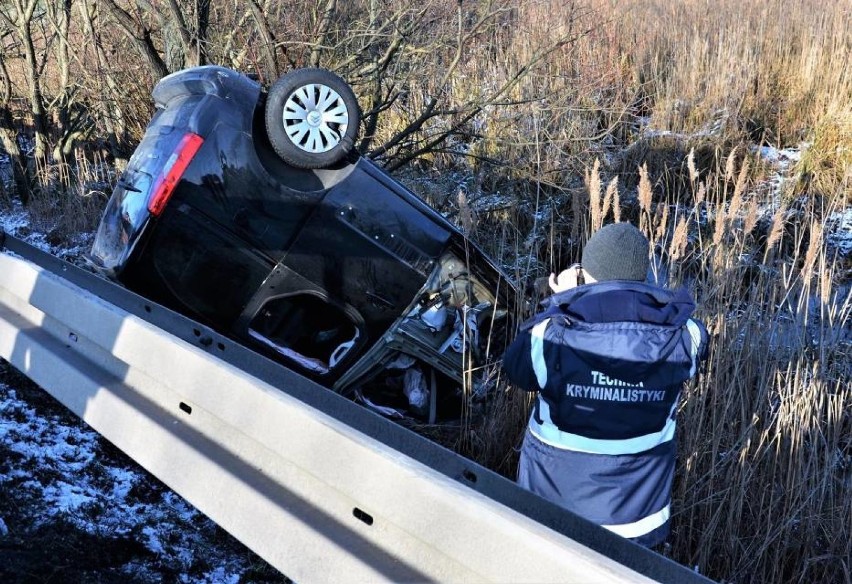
x,y
193,266
368,249
227,183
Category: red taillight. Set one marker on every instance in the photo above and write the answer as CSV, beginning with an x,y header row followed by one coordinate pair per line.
x,y
173,171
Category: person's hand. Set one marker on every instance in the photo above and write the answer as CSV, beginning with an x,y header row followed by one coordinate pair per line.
x,y
567,279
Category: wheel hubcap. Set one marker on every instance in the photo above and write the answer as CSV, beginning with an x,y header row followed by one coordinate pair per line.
x,y
315,118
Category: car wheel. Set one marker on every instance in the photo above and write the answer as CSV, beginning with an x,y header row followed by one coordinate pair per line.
x,y
312,118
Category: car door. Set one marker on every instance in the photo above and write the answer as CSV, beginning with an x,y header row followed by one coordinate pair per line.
x,y
365,253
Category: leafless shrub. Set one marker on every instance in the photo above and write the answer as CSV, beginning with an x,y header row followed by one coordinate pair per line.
x,y
527,95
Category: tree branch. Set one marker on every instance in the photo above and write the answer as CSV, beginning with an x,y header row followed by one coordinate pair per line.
x,y
322,32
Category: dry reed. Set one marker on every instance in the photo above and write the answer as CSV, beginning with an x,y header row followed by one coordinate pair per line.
x,y
763,486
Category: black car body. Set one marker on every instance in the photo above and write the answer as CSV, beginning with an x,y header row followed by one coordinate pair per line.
x,y
337,271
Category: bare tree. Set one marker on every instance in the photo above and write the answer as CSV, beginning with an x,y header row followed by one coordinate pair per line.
x,y
110,112
202,27
178,21
393,45
190,26
267,44
322,32
140,36
9,134
72,121
410,62
18,16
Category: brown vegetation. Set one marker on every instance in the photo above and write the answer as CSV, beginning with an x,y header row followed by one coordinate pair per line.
x,y
548,103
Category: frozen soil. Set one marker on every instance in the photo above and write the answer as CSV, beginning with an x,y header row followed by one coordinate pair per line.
x,y
73,508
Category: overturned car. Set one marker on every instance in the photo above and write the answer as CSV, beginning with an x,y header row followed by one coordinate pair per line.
x,y
250,211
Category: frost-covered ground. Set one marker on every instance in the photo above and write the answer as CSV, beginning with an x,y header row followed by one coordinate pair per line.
x,y
74,509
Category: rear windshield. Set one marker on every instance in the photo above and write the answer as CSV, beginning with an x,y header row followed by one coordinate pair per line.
x,y
127,213
124,217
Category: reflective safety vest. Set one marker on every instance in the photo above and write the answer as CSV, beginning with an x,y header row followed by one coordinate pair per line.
x,y
608,361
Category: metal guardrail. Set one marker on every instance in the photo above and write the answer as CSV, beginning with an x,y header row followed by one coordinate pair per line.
x,y
321,488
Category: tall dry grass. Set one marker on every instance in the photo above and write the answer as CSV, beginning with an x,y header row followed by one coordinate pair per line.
x,y
763,489
757,71
764,483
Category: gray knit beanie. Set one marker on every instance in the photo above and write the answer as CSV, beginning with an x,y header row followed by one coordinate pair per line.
x,y
617,252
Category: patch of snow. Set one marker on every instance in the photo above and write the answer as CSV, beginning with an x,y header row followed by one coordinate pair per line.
x,y
838,229
183,509
781,157
152,540
492,202
66,497
16,221
221,576
60,469
122,481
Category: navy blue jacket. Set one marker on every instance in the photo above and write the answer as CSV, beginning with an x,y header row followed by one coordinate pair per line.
x,y
609,361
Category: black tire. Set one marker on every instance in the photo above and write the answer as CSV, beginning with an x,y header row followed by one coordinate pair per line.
x,y
312,118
